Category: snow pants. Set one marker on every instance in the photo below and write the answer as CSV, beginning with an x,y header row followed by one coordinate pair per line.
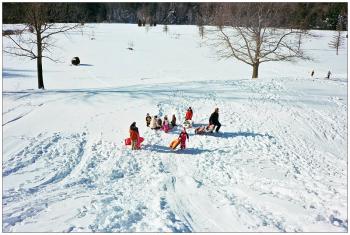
x,y
134,144
218,125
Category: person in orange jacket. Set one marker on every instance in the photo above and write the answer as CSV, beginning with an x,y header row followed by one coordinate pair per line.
x,y
189,114
134,135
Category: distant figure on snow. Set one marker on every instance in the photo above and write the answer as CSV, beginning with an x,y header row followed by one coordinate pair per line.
x,y
134,135
189,114
312,73
173,121
148,119
328,74
214,119
153,123
183,136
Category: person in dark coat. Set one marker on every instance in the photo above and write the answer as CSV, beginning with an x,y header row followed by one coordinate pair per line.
x,y
159,123
173,121
328,74
148,119
214,119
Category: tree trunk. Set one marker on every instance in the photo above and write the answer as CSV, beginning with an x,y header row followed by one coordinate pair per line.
x,y
40,73
39,62
255,70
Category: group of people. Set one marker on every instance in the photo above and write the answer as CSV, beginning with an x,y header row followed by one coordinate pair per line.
x,y
157,123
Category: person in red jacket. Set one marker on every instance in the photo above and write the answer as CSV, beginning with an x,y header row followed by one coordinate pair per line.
x,y
134,135
183,136
189,114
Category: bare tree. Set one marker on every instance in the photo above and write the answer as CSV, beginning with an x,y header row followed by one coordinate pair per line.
x,y
36,38
248,32
338,39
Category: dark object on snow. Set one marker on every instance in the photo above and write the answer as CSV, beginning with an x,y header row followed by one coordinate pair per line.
x,y
328,74
139,23
75,61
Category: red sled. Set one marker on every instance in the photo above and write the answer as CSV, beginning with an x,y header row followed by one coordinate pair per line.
x,y
127,141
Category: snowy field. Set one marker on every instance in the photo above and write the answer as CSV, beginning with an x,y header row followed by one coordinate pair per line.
x,y
278,165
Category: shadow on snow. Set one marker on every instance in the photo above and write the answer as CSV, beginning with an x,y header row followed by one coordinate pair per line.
x,y
166,149
239,134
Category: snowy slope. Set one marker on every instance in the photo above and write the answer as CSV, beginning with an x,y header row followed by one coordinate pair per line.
x,y
279,164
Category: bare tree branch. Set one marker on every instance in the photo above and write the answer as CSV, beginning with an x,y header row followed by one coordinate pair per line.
x,y
29,53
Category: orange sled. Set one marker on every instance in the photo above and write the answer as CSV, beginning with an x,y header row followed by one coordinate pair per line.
x,y
174,143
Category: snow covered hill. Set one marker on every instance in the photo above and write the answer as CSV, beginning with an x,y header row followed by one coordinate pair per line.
x,y
279,163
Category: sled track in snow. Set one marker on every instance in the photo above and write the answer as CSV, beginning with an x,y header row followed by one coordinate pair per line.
x,y
44,163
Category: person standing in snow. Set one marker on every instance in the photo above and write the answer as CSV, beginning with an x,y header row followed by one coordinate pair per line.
x,y
328,74
312,73
159,123
165,126
173,121
134,135
214,119
148,119
183,136
189,114
153,124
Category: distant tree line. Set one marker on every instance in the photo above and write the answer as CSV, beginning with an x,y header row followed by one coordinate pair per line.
x,y
305,15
